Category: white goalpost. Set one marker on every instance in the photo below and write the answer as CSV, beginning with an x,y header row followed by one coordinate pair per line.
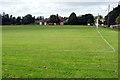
x,y
97,23
97,26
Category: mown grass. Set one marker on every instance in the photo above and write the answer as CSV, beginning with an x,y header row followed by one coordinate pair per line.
x,y
34,51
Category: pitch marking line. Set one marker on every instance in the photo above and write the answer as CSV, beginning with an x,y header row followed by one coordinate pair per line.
x,y
106,41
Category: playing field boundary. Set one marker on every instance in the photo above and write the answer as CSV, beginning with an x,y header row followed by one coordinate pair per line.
x,y
106,40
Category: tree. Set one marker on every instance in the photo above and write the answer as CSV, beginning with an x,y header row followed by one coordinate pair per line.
x,y
5,19
8,20
110,18
86,19
72,20
18,20
13,21
100,18
118,19
82,20
90,19
0,19
28,19
54,19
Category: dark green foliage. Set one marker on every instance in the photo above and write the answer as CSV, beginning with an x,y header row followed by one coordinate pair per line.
x,y
100,17
54,19
0,19
82,20
85,19
18,21
5,19
13,21
90,18
73,20
112,16
28,19
118,20
10,20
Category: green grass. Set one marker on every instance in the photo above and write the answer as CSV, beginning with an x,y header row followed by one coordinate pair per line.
x,y
33,51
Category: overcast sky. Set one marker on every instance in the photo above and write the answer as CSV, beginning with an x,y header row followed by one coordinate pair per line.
x,y
61,7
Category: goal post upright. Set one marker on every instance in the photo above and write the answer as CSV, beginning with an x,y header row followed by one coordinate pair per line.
x,y
97,22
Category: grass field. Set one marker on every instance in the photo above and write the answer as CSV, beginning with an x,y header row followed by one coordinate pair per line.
x,y
34,51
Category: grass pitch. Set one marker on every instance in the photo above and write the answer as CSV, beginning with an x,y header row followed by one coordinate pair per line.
x,y
33,51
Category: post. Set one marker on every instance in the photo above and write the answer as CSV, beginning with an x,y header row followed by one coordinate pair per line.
x,y
108,16
97,23
119,3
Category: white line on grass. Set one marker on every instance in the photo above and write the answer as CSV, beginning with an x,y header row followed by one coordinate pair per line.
x,y
78,50
106,40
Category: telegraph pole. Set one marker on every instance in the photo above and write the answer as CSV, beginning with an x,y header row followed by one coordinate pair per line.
x,y
108,16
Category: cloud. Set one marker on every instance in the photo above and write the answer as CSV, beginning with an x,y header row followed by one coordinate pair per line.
x,y
12,1
61,7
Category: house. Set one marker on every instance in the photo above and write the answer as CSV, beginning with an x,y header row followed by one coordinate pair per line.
x,y
62,20
41,21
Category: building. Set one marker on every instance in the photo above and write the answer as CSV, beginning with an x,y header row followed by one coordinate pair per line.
x,y
62,20
41,21
115,26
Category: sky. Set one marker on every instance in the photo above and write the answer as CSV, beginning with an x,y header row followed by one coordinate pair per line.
x,y
62,7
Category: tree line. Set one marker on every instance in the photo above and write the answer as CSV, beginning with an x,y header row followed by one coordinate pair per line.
x,y
73,19
29,19
81,20
11,20
111,18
